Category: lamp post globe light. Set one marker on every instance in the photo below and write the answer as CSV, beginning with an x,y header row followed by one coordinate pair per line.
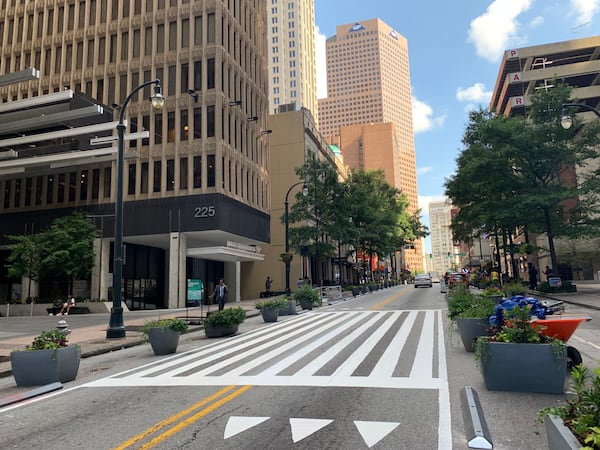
x,y
116,328
566,121
287,241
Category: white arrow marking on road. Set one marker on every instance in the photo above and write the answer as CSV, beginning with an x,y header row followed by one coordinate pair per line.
x,y
373,432
236,424
302,428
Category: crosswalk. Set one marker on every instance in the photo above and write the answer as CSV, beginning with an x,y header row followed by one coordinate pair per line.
x,y
379,349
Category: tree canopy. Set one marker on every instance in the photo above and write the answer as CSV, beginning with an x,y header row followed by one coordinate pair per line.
x,y
527,172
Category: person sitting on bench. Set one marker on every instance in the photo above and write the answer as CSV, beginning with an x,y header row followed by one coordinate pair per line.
x,y
67,305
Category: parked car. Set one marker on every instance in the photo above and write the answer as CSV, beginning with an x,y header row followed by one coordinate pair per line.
x,y
422,280
458,278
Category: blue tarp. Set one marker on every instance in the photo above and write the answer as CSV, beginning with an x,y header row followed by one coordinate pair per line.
x,y
537,308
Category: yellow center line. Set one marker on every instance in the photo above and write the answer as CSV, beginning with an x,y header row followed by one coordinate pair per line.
x,y
187,422
170,420
380,305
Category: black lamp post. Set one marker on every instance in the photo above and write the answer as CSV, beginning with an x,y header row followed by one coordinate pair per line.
x,y
566,121
116,328
287,241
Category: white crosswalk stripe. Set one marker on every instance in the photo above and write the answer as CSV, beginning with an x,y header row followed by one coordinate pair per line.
x,y
332,348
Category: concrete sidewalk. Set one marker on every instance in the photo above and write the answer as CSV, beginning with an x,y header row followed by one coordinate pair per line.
x,y
89,330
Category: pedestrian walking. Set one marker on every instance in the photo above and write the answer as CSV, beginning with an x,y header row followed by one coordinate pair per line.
x,y
533,273
548,272
220,294
268,283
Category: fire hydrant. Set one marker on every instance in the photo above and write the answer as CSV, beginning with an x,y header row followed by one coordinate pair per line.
x,y
63,327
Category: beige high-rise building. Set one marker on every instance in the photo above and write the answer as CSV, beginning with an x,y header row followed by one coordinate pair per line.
x,y
292,59
196,188
368,82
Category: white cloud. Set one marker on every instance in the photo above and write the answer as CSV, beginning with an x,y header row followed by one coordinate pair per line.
x,y
493,31
424,170
423,118
475,93
321,63
537,22
585,10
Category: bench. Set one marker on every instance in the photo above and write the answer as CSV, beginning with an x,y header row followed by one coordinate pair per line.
x,y
74,310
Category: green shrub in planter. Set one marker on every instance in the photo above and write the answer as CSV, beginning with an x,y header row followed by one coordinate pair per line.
x,y
307,297
172,323
227,316
277,303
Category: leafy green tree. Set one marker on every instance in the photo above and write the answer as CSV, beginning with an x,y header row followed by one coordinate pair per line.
x,y
520,172
62,251
315,213
70,241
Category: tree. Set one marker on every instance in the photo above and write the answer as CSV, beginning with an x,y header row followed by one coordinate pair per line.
x,y
315,212
521,172
62,251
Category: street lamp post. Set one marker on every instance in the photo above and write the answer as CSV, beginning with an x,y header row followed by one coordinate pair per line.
x,y
287,241
116,328
566,121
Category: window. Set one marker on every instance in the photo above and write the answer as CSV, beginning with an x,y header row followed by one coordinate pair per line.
x,y
210,34
197,175
210,73
144,178
197,123
160,38
185,33
198,30
72,185
210,121
184,78
107,181
158,128
197,75
95,183
171,126
157,175
170,174
183,125
50,189
210,171
131,179
183,173
172,35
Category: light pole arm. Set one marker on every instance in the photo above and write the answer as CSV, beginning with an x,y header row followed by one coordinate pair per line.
x,y
130,96
581,106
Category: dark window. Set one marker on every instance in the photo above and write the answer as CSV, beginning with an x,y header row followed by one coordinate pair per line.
x,y
210,73
210,171
172,71
107,181
144,178
197,123
131,180
158,128
7,184
157,181
210,121
210,35
95,183
197,171
171,126
170,174
38,190
72,186
83,185
198,30
184,125
146,127
183,173
61,188
28,189
185,68
49,189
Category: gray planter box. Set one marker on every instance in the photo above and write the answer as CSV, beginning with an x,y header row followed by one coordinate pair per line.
x,y
40,367
306,304
269,315
469,329
290,310
163,340
558,435
523,367
214,331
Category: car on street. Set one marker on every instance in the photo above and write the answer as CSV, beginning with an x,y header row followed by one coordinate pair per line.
x,y
422,280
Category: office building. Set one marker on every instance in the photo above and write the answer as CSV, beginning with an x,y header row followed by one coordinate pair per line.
x,y
291,56
196,186
368,83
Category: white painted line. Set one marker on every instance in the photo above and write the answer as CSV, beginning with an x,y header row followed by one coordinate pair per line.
x,y
333,351
423,365
305,349
237,424
302,428
388,361
358,356
445,412
373,432
591,344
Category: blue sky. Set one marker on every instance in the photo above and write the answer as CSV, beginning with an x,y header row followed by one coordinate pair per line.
x,y
455,48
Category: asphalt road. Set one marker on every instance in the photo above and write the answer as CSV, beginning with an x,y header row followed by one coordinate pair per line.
x,y
381,371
